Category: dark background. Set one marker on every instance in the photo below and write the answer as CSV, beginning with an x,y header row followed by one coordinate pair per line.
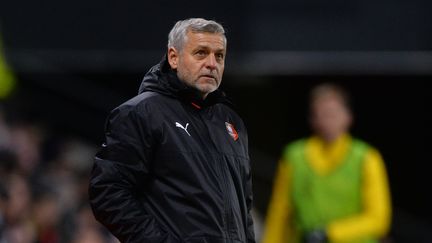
x,y
75,61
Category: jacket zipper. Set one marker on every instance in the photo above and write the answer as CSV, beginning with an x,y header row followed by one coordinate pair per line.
x,y
222,172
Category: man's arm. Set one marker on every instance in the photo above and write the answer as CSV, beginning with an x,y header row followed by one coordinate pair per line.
x,y
120,166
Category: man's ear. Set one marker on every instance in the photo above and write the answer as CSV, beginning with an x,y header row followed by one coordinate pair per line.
x,y
173,57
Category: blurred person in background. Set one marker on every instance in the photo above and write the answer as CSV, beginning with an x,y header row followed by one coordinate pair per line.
x,y
46,214
329,187
175,164
43,178
3,200
88,229
15,211
18,226
7,166
26,139
43,185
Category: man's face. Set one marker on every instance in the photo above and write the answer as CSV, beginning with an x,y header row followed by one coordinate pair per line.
x,y
200,64
330,118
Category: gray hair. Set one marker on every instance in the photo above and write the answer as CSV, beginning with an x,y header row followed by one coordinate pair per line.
x,y
178,34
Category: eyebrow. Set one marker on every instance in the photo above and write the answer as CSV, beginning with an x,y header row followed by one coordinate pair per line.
x,y
207,47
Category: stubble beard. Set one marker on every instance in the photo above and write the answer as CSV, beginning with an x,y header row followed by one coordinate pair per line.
x,y
205,87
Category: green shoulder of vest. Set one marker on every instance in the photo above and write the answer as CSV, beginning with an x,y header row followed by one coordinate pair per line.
x,y
360,147
293,150
296,148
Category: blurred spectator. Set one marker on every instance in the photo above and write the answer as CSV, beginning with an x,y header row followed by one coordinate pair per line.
x,y
46,214
26,140
7,163
18,226
329,187
89,230
3,200
43,186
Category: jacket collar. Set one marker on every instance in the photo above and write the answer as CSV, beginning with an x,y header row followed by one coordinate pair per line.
x,y
161,78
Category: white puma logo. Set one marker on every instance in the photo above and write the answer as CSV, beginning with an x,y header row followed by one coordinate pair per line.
x,y
184,128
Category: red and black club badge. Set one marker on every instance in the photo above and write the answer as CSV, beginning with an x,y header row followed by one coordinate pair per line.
x,y
231,130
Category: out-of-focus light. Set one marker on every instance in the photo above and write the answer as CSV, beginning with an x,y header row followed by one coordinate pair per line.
x,y
7,79
7,83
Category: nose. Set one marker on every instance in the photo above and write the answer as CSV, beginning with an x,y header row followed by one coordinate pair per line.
x,y
211,62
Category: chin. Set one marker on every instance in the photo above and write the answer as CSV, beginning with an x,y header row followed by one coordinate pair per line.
x,y
207,88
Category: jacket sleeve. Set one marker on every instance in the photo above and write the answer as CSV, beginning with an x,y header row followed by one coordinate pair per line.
x,y
278,228
120,166
374,220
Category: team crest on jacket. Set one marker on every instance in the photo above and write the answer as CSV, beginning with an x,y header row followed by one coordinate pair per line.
x,y
231,131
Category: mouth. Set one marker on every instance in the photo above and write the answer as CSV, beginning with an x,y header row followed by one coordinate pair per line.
x,y
208,76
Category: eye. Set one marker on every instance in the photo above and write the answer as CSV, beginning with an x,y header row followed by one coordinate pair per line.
x,y
200,53
219,56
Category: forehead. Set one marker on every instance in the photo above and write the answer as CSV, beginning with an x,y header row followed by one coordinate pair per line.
x,y
203,39
328,102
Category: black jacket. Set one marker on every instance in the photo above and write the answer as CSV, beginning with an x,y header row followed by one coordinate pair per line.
x,y
173,168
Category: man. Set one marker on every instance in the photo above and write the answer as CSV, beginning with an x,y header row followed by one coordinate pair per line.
x,y
175,164
329,187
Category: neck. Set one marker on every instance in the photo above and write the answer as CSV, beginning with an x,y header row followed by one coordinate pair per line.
x,y
329,139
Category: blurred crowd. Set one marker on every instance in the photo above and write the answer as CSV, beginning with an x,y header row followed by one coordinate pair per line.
x,y
43,187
